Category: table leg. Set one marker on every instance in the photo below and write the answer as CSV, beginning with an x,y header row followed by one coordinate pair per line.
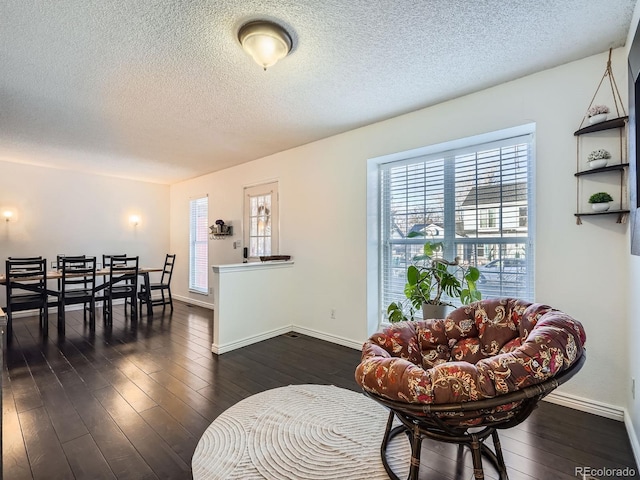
x,y
147,294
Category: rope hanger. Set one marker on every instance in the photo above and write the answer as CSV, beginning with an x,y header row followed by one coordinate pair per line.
x,y
617,100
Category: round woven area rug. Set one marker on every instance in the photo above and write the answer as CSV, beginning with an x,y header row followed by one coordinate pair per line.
x,y
299,432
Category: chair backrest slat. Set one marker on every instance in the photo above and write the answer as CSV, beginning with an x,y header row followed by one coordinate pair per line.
x,y
30,271
167,272
123,270
107,260
25,259
78,273
70,257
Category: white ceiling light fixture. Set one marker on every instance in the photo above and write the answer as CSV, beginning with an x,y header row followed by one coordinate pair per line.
x,y
266,42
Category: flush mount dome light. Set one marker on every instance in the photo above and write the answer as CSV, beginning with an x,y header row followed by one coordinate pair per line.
x,y
265,41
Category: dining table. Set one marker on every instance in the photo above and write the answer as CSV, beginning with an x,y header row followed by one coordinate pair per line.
x,y
102,272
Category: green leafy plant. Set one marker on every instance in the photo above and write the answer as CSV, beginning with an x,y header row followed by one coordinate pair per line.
x,y
600,197
430,277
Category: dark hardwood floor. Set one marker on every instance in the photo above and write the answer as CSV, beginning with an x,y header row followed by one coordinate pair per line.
x,y
132,401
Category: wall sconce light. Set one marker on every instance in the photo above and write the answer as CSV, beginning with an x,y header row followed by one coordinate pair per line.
x,y
134,220
266,42
8,215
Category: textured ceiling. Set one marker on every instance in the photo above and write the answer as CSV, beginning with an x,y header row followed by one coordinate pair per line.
x,y
161,90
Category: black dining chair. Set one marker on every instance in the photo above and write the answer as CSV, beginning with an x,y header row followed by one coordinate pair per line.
x,y
147,288
107,260
77,287
26,286
122,283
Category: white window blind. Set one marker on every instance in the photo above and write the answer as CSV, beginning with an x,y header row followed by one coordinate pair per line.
x,y
477,200
198,245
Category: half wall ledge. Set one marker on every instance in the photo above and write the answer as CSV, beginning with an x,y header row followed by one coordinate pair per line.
x,y
244,267
252,303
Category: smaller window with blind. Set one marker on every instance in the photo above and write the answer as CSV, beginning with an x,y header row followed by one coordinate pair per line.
x,y
261,220
198,245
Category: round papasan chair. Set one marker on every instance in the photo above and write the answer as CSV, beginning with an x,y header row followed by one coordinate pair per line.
x,y
459,379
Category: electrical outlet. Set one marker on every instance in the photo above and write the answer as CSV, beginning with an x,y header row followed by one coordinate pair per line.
x,y
633,388
333,313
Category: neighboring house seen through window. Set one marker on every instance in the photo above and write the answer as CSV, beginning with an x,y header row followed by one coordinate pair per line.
x,y
476,199
199,245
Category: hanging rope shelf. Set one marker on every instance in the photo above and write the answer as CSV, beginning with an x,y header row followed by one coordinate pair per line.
x,y
596,117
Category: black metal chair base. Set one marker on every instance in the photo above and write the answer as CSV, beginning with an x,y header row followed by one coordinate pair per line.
x,y
474,441
450,422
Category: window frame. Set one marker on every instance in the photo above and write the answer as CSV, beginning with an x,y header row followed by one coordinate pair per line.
x,y
199,242
263,189
375,211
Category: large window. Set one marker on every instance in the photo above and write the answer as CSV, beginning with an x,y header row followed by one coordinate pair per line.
x,y
198,245
476,199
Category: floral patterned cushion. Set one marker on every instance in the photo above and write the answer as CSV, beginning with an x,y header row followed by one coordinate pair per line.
x,y
481,350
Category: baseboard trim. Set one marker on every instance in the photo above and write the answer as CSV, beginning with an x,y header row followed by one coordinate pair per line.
x,y
54,310
227,347
193,301
346,342
633,438
586,405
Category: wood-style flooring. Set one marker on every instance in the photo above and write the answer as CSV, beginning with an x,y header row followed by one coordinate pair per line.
x,y
131,402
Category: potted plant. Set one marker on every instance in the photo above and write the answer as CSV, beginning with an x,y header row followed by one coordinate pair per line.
x,y
598,158
430,277
598,113
600,201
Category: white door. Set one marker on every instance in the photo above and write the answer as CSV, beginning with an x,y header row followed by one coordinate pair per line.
x,y
260,226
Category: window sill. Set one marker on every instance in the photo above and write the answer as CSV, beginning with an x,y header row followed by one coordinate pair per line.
x,y
198,292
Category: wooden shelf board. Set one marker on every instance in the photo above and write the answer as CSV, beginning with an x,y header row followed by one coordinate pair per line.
x,y
622,215
608,168
606,125
608,212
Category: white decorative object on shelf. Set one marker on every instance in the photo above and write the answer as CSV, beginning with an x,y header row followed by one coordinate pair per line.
x,y
597,113
601,162
600,201
598,118
600,207
598,158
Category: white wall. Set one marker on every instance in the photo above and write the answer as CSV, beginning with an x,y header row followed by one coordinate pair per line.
x,y
323,213
65,212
